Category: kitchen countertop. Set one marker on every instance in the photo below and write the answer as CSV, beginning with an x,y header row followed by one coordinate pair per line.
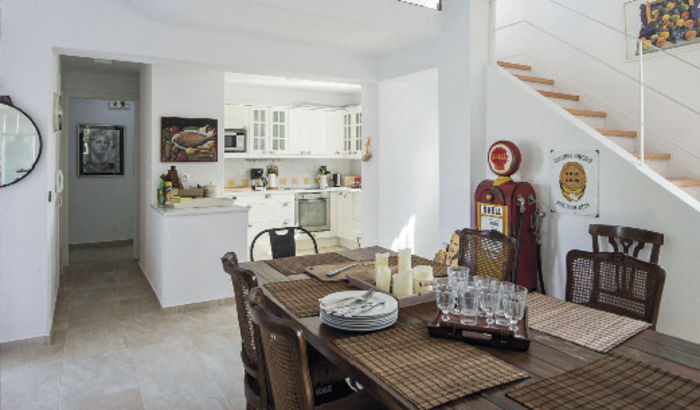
x,y
167,212
230,193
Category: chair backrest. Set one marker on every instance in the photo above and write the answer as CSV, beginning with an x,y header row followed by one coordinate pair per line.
x,y
243,282
487,253
282,245
624,239
616,283
285,351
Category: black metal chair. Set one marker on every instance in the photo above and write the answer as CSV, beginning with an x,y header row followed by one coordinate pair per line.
x,y
282,245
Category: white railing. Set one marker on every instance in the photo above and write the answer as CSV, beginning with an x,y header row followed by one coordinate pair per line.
x,y
641,47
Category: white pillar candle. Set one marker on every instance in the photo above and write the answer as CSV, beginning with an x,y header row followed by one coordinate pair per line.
x,y
404,260
381,260
383,280
422,273
403,284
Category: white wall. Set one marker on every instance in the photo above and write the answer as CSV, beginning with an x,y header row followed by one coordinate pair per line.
x,y
236,93
101,207
409,169
628,197
459,71
29,73
610,87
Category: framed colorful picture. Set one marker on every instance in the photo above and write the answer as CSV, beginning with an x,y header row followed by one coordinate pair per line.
x,y
188,139
100,149
664,23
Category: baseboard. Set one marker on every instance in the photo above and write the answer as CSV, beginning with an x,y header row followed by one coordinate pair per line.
x,y
105,244
31,342
199,305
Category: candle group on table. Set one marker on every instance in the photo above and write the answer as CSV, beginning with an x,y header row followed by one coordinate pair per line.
x,y
407,281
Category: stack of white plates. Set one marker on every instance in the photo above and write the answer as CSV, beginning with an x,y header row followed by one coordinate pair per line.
x,y
346,311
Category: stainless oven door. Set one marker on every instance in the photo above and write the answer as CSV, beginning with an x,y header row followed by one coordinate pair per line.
x,y
313,212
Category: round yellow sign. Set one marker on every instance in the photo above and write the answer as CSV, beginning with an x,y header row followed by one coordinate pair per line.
x,y
572,181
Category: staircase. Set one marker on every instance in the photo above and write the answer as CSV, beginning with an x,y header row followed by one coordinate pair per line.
x,y
597,119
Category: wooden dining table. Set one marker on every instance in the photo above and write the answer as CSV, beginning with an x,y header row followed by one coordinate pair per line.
x,y
547,356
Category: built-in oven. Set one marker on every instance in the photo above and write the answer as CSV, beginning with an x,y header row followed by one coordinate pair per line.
x,y
313,211
234,140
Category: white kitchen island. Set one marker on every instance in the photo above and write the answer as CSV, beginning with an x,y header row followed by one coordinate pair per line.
x,y
185,247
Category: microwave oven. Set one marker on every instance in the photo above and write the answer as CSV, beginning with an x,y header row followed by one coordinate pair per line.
x,y
235,140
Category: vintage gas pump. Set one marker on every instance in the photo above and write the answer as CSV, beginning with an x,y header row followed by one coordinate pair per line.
x,y
511,208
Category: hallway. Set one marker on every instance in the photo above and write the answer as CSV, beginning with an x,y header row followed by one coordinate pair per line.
x,y
113,348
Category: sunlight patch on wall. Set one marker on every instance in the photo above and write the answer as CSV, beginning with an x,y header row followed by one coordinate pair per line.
x,y
406,237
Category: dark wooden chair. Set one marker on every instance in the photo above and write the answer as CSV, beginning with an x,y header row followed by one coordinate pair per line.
x,y
282,245
244,281
624,239
487,253
616,283
285,350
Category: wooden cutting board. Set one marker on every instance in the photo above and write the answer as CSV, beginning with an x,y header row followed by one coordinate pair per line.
x,y
362,269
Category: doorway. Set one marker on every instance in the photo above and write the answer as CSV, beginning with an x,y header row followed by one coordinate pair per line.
x,y
99,159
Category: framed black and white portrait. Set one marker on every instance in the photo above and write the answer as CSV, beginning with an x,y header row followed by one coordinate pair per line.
x,y
101,149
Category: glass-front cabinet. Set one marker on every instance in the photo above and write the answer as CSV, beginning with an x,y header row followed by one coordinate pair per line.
x,y
269,130
358,132
352,132
347,133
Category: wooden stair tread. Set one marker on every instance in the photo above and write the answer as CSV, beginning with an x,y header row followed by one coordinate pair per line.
x,y
506,64
587,113
685,182
618,133
654,157
532,79
564,96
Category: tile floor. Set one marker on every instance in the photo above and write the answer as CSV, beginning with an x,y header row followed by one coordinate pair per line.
x,y
113,348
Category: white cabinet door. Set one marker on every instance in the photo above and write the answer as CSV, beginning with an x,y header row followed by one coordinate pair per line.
x,y
316,141
335,217
357,213
333,125
236,116
258,131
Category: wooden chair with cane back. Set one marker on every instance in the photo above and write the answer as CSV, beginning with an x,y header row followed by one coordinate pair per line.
x,y
628,240
616,283
244,281
487,253
286,353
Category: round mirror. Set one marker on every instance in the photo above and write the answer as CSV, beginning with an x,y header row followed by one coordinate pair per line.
x,y
20,144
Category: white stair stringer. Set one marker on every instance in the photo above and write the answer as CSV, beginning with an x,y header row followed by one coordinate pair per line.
x,y
654,169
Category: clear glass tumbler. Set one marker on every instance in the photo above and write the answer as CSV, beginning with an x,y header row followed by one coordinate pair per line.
x,y
506,288
488,299
469,304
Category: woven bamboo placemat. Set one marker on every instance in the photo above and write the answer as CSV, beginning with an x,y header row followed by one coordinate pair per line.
x,y
613,382
294,265
301,296
439,269
585,326
428,372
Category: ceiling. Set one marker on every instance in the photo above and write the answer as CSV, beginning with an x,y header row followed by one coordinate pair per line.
x,y
364,26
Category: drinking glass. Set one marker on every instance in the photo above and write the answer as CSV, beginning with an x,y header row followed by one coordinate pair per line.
x,y
444,297
469,304
488,299
457,273
515,307
506,288
481,282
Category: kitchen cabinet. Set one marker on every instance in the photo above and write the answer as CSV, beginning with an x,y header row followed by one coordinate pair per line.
x,y
307,128
236,116
269,130
346,216
266,211
352,133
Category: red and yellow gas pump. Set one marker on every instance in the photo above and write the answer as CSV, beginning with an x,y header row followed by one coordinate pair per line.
x,y
510,207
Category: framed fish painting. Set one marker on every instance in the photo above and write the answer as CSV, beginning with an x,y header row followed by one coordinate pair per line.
x,y
188,139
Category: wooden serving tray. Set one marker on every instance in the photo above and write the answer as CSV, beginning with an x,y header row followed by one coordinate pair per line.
x,y
363,282
480,334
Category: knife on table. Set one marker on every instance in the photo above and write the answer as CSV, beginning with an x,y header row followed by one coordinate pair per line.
x,y
339,270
